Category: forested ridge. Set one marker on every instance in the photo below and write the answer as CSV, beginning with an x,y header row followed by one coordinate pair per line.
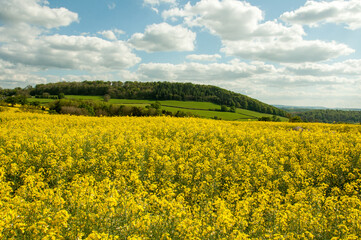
x,y
157,91
330,116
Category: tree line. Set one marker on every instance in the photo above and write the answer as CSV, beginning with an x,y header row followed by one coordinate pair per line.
x,y
330,116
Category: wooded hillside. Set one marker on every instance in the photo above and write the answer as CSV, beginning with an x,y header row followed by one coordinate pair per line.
x,y
330,116
157,91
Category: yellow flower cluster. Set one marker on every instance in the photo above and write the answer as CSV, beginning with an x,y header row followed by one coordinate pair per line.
x,y
67,177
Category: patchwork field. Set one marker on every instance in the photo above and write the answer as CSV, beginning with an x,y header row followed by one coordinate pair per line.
x,y
201,109
68,177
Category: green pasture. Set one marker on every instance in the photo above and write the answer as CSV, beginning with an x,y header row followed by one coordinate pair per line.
x,y
211,114
191,104
83,97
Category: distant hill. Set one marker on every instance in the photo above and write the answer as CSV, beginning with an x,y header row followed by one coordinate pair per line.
x,y
296,109
330,116
323,114
157,91
309,108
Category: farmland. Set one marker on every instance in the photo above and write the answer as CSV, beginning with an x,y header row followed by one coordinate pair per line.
x,y
201,109
77,177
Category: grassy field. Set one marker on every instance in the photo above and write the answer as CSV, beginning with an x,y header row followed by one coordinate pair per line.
x,y
211,114
130,101
202,109
82,97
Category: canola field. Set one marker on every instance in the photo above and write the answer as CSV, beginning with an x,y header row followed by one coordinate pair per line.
x,y
68,177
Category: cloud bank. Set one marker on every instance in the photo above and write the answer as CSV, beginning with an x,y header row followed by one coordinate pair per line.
x,y
164,38
245,34
314,13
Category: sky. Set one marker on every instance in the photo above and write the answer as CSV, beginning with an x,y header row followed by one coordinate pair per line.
x,y
296,53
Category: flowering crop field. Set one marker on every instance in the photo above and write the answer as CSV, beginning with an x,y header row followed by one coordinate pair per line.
x,y
67,177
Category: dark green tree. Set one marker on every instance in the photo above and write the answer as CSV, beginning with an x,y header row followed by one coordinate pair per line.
x,y
106,98
61,95
224,108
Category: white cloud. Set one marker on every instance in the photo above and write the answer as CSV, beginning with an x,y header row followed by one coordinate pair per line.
x,y
204,73
20,32
272,49
18,75
203,57
158,2
15,75
111,34
318,12
80,77
173,14
164,37
230,19
288,89
118,31
154,3
348,68
24,41
71,52
125,75
108,34
36,13
240,27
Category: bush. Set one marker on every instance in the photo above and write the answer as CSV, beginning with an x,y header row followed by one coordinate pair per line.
x,y
224,108
19,99
295,119
72,110
61,95
265,119
35,103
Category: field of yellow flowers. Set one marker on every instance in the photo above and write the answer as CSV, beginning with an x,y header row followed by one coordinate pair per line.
x,y
68,177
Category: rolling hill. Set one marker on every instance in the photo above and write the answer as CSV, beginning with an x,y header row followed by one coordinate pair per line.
x,y
191,108
157,91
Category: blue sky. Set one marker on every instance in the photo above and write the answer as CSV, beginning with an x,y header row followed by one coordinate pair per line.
x,y
304,53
